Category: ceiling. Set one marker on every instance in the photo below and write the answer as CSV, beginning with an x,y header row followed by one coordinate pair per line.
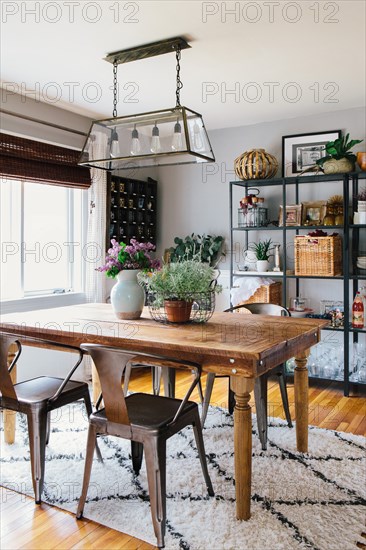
x,y
263,61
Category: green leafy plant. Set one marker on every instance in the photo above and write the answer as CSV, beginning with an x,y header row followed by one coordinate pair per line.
x,y
205,248
181,280
339,149
261,249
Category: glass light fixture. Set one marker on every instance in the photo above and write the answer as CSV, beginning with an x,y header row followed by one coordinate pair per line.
x,y
135,142
166,137
177,141
114,145
155,140
197,138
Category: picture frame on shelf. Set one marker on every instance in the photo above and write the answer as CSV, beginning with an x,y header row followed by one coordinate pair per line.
x,y
328,306
301,151
293,215
313,213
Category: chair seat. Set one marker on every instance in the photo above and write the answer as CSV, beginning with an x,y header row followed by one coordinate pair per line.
x,y
149,411
43,388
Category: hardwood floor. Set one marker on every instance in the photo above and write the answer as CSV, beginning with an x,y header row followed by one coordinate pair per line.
x,y
25,525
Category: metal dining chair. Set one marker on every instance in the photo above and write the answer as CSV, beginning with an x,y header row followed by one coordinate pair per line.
x,y
261,383
144,419
36,398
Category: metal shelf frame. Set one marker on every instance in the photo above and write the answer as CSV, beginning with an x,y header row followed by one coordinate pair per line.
x,y
350,183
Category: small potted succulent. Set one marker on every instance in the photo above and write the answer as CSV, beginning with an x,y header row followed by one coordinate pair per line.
x,y
338,157
178,284
261,251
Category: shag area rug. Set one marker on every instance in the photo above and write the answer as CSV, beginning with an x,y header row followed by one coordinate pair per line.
x,y
299,501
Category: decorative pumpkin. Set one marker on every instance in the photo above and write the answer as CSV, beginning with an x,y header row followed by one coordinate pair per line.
x,y
255,164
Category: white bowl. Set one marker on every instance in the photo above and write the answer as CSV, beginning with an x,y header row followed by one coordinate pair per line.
x,y
304,313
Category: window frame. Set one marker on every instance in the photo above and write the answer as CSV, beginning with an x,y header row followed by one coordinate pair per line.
x,y
33,300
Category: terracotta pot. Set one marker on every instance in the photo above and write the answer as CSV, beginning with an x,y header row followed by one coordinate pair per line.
x,y
178,311
334,166
361,161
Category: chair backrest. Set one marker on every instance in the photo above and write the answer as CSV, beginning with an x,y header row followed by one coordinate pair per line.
x,y
7,388
263,309
6,384
110,364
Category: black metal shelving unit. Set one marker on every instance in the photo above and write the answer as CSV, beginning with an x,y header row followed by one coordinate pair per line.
x,y
351,245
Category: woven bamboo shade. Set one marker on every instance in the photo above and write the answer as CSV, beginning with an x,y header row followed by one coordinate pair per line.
x,y
22,158
255,164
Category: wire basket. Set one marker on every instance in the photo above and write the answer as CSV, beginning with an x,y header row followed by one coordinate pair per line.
x,y
198,307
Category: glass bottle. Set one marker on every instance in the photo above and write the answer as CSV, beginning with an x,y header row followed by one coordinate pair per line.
x,y
358,312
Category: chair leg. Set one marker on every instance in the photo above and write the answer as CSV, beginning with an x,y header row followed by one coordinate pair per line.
x,y
137,450
92,440
37,429
155,457
127,376
156,379
89,410
200,392
48,432
197,430
283,389
231,400
169,381
260,395
210,379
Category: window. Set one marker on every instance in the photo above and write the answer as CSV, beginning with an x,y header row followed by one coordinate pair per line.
x,y
42,237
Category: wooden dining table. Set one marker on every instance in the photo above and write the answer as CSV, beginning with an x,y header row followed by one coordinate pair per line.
x,y
240,346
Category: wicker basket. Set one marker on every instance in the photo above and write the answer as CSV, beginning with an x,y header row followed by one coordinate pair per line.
x,y
266,294
320,256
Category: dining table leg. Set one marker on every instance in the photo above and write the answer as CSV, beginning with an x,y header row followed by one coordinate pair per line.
x,y
242,444
9,417
301,384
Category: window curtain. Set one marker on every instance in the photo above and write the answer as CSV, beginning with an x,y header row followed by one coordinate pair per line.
x,y
22,158
95,282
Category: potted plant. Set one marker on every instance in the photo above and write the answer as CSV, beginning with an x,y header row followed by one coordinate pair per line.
x,y
178,284
124,262
261,250
339,157
205,248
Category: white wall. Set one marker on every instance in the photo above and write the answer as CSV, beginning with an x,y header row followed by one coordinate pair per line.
x,y
195,198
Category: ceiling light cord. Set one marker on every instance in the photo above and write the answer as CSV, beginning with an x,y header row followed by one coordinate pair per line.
x,y
115,86
179,82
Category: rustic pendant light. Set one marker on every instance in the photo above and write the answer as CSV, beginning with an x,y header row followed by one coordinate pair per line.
x,y
159,138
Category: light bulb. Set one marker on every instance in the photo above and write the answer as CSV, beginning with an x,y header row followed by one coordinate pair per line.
x,y
114,145
155,140
177,142
197,137
135,142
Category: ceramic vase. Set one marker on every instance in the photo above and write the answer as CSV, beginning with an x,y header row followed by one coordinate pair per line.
x,y
361,160
127,296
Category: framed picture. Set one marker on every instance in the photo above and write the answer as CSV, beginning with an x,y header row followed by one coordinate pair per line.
x,y
293,215
301,151
313,213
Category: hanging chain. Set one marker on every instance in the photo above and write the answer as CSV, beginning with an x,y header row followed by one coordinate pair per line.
x,y
115,84
179,82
